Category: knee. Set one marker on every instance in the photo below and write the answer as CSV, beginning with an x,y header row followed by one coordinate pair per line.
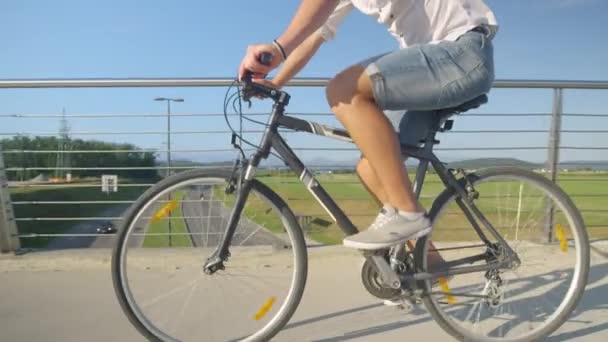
x,y
339,92
343,90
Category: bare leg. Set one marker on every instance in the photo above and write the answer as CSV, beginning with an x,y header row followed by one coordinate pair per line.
x,y
372,184
350,96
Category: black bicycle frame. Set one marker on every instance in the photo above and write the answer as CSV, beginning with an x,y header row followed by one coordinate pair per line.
x,y
271,139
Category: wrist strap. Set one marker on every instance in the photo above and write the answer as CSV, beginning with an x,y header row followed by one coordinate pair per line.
x,y
280,47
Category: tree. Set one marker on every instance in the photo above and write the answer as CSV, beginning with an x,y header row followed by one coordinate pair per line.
x,y
48,159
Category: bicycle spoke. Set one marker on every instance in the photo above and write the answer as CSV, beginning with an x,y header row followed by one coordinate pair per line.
x,y
508,196
250,276
498,206
477,319
170,293
192,305
538,203
528,296
477,304
177,319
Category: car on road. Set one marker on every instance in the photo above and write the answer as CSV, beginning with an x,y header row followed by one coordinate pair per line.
x,y
106,227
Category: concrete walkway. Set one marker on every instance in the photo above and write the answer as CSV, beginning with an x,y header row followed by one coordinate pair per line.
x,y
68,296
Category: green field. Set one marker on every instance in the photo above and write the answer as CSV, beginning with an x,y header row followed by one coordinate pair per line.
x,y
178,228
59,193
586,189
255,209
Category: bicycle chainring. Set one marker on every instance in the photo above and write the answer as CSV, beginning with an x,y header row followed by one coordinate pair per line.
x,y
373,283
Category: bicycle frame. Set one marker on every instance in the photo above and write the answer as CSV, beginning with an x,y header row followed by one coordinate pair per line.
x,y
271,139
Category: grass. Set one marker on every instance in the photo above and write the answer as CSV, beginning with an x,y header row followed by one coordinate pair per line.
x,y
586,190
255,209
178,226
61,210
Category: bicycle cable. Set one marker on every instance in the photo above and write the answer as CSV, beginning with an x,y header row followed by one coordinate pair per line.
x,y
234,99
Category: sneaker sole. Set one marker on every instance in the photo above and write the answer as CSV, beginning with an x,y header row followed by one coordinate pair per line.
x,y
374,246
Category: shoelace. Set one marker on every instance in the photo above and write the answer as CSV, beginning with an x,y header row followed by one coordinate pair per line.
x,y
381,219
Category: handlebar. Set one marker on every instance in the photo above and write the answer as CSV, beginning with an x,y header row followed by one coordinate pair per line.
x,y
251,89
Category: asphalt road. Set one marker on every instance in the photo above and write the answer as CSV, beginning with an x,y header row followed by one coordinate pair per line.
x,y
88,227
100,241
206,219
68,296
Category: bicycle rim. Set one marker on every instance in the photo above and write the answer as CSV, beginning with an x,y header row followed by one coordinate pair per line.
x,y
160,278
527,303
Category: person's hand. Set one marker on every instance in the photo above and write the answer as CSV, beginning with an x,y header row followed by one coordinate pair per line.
x,y
268,83
251,60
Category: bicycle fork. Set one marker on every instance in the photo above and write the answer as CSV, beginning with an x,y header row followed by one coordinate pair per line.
x,y
216,261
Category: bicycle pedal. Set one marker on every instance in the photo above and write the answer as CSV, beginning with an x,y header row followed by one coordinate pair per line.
x,y
403,303
405,306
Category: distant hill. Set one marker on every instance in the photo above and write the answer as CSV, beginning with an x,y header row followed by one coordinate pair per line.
x,y
179,162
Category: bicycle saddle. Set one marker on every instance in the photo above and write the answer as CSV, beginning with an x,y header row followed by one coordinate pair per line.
x,y
472,104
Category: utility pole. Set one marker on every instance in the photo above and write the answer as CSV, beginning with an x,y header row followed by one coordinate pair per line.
x,y
169,171
63,158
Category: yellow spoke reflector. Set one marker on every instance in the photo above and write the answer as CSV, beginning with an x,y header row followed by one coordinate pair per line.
x,y
561,236
264,309
164,211
446,289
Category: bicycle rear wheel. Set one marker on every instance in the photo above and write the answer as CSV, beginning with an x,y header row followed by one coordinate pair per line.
x,y
542,225
166,238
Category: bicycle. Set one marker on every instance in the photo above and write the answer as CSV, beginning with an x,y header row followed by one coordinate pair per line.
x,y
251,235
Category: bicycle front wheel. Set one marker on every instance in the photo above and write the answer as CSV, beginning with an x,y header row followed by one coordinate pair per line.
x,y
542,225
166,238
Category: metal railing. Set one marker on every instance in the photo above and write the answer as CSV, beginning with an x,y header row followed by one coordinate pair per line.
x,y
553,147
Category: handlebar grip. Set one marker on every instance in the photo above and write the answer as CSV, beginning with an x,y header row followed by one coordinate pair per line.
x,y
265,58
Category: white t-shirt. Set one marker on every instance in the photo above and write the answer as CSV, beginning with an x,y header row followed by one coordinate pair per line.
x,y
417,21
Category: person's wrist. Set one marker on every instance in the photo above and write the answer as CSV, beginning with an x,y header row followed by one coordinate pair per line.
x,y
280,50
285,45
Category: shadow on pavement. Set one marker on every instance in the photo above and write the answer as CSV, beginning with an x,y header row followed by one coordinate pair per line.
x,y
593,299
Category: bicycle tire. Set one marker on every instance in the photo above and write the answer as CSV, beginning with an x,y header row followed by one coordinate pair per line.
x,y
577,285
290,224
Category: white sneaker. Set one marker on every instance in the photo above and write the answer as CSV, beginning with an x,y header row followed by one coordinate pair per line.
x,y
385,212
389,228
384,216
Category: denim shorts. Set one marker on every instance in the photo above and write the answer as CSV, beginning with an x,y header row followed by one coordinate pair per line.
x,y
410,83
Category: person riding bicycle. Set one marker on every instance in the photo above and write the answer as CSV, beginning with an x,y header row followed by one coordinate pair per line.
x,y
445,58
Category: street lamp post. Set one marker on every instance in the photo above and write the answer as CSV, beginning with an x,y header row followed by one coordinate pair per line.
x,y
169,100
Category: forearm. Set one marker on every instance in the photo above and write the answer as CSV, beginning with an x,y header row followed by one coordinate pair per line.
x,y
309,17
298,59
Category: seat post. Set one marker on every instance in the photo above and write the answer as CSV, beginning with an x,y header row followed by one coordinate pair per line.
x,y
423,165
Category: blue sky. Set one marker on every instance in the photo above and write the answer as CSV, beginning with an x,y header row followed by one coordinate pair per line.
x,y
538,39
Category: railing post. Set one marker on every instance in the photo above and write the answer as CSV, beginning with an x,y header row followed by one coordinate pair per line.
x,y
9,242
553,156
